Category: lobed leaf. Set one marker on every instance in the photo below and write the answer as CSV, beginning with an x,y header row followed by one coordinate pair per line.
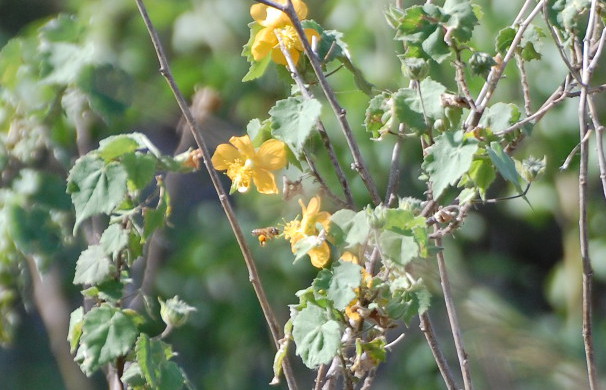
x,y
317,336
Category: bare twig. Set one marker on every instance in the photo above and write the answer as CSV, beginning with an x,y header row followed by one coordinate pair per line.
x,y
340,113
583,228
427,329
524,83
452,318
599,134
497,71
394,172
223,198
292,67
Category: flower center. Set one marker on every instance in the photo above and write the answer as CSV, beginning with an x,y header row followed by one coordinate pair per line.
x,y
289,37
291,230
241,174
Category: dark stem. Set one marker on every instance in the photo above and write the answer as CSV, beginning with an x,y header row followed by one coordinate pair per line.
x,y
223,198
339,111
438,355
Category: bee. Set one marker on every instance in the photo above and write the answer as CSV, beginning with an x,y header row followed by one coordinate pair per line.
x,y
265,234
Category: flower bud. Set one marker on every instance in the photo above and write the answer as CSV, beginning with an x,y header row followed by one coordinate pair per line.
x,y
174,312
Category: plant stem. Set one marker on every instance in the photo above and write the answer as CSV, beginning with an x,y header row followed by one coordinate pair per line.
x,y
427,329
452,318
223,198
583,228
292,67
339,111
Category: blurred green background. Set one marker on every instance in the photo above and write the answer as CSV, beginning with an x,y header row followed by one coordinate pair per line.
x,y
515,269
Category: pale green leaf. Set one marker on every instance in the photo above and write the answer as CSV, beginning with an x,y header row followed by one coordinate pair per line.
x,y
76,319
397,247
114,239
505,165
317,336
293,120
346,276
95,187
141,169
448,159
107,333
93,266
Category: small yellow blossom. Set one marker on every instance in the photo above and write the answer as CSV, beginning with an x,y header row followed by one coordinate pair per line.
x,y
297,230
276,23
244,164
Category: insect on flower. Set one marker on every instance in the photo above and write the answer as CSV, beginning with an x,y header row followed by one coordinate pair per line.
x,y
265,234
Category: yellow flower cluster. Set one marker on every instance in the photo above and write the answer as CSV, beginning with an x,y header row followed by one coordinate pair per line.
x,y
245,165
296,230
276,24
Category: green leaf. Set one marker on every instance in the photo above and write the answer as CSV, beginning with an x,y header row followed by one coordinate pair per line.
x,y
154,219
330,45
63,28
304,245
133,377
461,18
107,333
110,90
115,146
504,39
500,116
317,336
566,13
411,107
93,266
110,291
448,159
397,247
293,120
258,131
482,175
153,359
95,187
76,319
531,43
408,109
420,28
349,227
141,169
377,117
113,240
345,278
256,69
505,165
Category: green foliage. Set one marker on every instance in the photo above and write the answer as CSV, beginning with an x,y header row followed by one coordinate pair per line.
x,y
293,120
107,333
345,277
427,30
317,335
449,158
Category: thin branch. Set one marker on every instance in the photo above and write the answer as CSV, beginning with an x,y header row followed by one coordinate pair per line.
x,y
452,318
583,222
394,171
307,94
339,111
599,135
524,84
223,198
497,71
427,329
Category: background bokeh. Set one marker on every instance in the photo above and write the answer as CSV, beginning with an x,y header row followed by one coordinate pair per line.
x,y
515,268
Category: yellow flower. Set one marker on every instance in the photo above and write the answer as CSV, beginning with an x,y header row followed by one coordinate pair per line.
x,y
297,230
243,164
275,23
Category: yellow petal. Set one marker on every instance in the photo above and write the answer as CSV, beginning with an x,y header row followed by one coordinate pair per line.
x,y
271,155
323,218
224,154
265,181
313,206
258,12
278,57
300,8
320,256
264,42
244,146
310,33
